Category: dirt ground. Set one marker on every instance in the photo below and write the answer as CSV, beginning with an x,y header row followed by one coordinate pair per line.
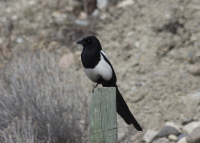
x,y
154,47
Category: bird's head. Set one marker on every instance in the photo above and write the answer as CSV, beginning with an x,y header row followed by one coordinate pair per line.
x,y
90,42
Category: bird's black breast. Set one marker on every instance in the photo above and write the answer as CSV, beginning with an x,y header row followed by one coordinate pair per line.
x,y
90,58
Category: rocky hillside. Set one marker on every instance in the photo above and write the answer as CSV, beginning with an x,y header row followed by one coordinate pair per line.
x,y
154,47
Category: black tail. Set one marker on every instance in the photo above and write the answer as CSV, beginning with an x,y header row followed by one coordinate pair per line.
x,y
123,110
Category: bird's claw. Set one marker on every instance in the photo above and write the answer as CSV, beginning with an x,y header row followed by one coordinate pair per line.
x,y
94,87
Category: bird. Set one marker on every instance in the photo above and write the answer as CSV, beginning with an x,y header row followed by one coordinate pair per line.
x,y
100,71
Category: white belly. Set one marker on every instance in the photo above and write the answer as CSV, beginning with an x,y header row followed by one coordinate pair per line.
x,y
103,69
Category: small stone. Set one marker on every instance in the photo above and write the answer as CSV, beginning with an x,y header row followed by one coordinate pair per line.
x,y
183,140
161,140
81,22
102,4
66,60
198,54
137,44
125,3
133,88
19,40
32,2
60,35
181,136
136,98
168,130
167,15
194,70
172,124
71,4
68,8
103,16
190,58
190,127
15,17
130,33
58,14
120,135
95,13
138,84
194,136
160,73
150,135
186,121
82,16
172,138
191,99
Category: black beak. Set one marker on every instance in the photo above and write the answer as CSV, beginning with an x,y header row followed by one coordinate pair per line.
x,y
80,42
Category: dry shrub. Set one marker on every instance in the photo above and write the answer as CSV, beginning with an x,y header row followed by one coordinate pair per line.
x,y
41,103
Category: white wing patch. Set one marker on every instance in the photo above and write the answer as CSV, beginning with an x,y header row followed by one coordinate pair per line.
x,y
102,69
102,52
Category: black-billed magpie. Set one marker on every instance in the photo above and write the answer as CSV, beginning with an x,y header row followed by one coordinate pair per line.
x,y
99,70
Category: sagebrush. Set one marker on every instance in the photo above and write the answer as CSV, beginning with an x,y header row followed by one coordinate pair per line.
x,y
39,102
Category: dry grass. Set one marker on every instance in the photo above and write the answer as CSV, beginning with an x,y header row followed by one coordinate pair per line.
x,y
41,103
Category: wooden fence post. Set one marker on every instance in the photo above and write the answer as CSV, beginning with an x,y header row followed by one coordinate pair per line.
x,y
103,116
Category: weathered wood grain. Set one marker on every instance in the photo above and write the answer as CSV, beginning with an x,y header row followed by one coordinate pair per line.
x,y
103,116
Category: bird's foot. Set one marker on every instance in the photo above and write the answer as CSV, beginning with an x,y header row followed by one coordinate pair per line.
x,y
94,87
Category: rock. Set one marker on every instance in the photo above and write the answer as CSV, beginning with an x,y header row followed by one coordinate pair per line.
x,y
103,16
168,130
172,124
82,15
195,70
190,58
72,4
135,137
81,22
32,2
150,135
183,140
95,13
120,135
78,57
181,136
58,14
161,140
194,136
66,60
102,4
19,40
186,121
198,55
191,99
160,73
60,35
137,98
190,127
125,3
14,17
172,138
59,17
